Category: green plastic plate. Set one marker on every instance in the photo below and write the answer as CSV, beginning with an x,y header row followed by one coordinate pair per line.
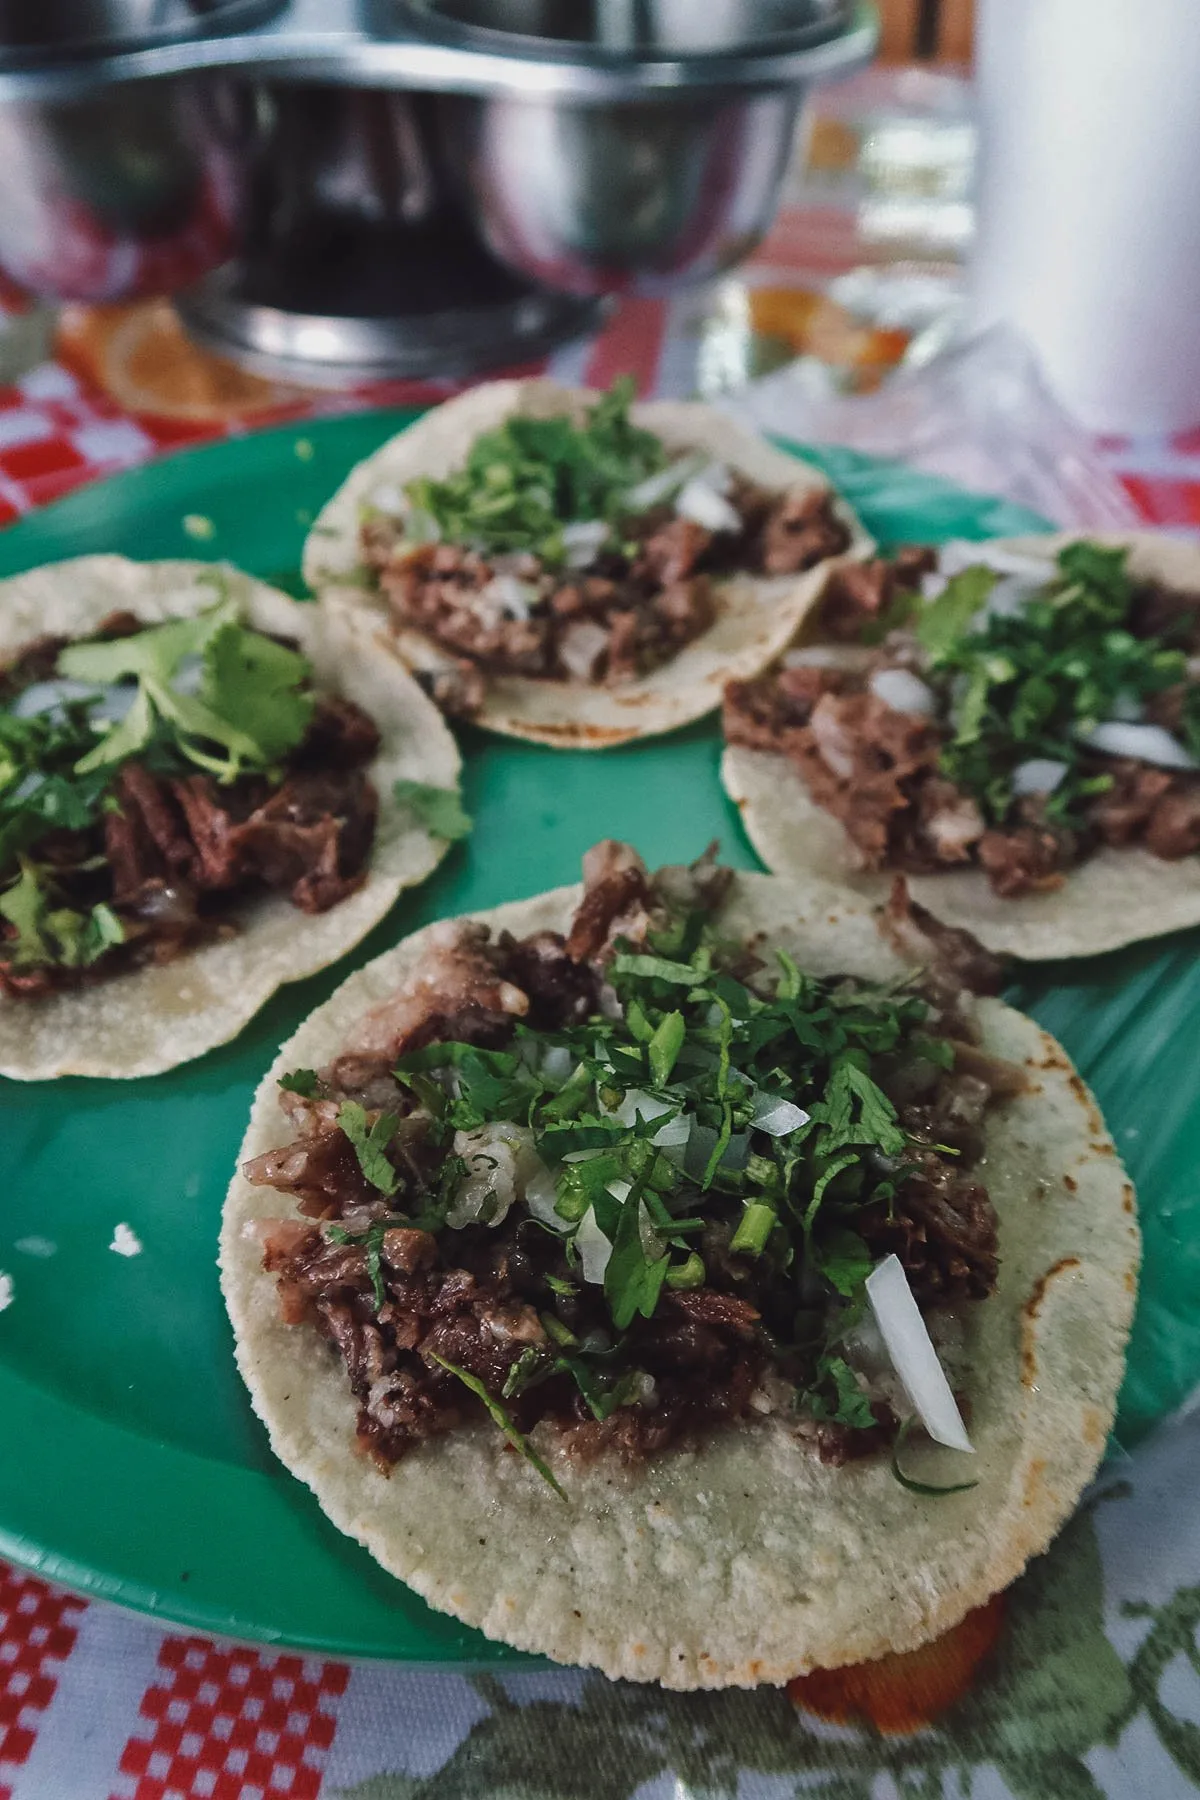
x,y
130,1464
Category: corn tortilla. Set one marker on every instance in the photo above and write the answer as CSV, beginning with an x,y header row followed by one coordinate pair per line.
x,y
757,617
747,1560
1116,897
155,1018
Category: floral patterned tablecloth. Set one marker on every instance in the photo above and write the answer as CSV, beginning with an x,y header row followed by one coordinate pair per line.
x,y
1084,1680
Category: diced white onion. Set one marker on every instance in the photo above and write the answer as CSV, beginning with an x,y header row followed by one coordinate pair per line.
x,y
1128,708
826,656
581,646
47,696
620,1190
584,541
1147,743
913,1356
388,498
661,487
777,1117
959,554
501,1161
701,501
558,1064
513,596
594,1249
903,691
1011,595
1040,775
933,586
636,1105
109,704
674,1134
541,1195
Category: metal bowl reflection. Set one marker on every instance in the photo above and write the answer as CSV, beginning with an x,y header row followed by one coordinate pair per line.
x,y
605,197
132,190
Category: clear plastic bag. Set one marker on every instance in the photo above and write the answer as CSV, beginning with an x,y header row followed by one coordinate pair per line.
x,y
979,414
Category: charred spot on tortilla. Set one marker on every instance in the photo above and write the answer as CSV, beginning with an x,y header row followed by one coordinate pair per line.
x,y
1005,723
586,556
675,1188
180,761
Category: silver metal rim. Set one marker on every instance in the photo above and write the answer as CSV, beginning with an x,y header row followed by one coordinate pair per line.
x,y
326,351
229,17
329,40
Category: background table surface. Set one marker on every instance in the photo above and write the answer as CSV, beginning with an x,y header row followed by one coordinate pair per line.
x,y
98,1705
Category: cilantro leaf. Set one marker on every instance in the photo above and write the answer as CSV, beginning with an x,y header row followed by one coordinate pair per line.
x,y
301,1081
844,1261
942,622
657,968
157,651
251,678
370,1144
124,740
665,1046
499,1417
836,1396
440,810
632,1281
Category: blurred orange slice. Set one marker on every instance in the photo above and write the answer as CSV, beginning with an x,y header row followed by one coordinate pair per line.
x,y
141,356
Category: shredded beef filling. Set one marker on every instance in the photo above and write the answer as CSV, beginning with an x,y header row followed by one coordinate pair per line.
x,y
877,769
475,1297
629,614
173,855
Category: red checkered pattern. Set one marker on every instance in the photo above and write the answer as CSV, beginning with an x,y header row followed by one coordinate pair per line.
x,y
37,1633
223,1724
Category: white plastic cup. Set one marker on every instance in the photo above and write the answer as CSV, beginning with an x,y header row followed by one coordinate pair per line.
x,y
1089,201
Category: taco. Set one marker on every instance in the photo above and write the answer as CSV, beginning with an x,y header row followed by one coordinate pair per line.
x,y
198,803
1015,727
615,1265
568,568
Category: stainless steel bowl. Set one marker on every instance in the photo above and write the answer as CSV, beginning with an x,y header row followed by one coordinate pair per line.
x,y
122,189
134,190
72,28
665,184
607,197
644,28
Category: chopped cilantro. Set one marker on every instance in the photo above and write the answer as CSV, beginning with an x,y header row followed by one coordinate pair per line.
x,y
665,1046
46,933
370,1144
440,810
499,1417
944,621
655,1175
836,1396
1024,686
522,483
